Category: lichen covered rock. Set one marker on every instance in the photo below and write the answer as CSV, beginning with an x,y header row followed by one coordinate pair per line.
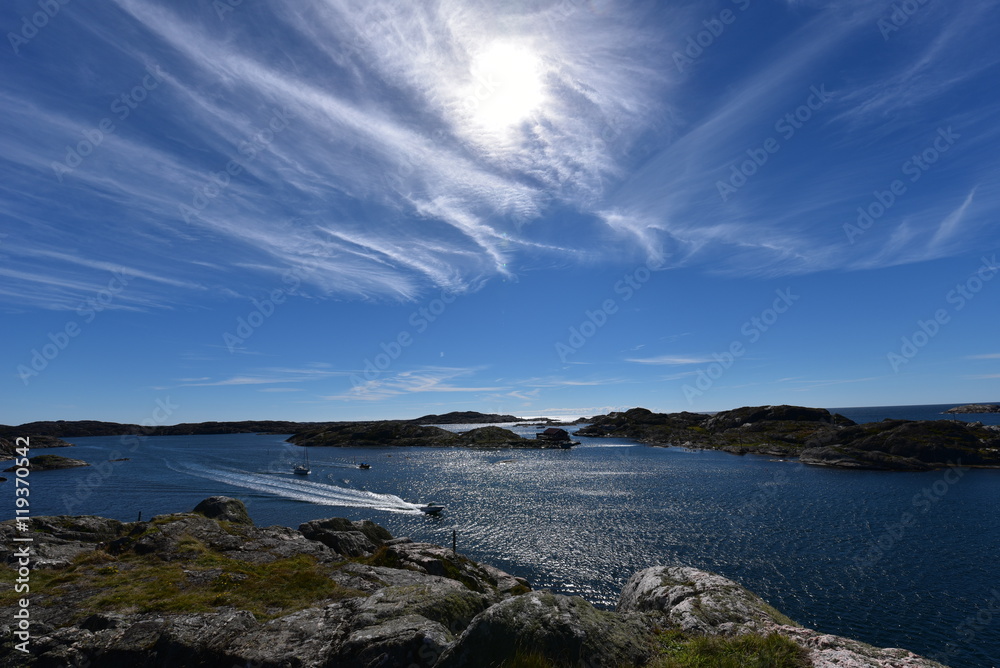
x,y
703,603
559,628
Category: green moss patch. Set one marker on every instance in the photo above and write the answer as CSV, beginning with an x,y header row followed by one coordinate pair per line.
x,y
747,651
203,582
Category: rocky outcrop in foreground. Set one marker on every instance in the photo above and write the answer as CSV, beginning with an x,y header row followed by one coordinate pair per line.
x,y
812,434
208,588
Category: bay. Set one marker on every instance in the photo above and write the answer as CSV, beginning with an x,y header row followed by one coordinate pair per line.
x,y
893,559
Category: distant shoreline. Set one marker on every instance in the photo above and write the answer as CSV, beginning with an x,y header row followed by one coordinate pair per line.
x,y
82,428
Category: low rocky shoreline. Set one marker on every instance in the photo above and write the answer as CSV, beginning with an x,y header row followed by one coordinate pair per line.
x,y
208,588
50,463
8,446
812,436
974,408
405,434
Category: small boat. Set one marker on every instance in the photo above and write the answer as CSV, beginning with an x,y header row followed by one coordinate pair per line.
x,y
430,508
303,469
363,465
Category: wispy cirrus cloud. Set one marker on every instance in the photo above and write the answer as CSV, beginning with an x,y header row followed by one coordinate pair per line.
x,y
780,222
364,161
672,360
375,130
268,376
417,381
808,385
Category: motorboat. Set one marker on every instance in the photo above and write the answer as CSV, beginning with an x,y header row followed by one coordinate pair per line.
x,y
430,508
363,465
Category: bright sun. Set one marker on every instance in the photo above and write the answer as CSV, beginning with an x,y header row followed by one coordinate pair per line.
x,y
506,86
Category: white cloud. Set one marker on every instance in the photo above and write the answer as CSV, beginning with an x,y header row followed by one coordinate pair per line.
x,y
672,360
423,380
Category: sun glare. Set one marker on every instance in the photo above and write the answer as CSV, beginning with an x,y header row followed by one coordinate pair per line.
x,y
506,86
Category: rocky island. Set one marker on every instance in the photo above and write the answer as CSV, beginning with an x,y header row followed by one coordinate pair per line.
x,y
408,434
974,408
208,588
50,462
813,435
77,428
466,417
53,430
8,446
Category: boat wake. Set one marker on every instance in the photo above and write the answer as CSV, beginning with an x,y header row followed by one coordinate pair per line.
x,y
300,490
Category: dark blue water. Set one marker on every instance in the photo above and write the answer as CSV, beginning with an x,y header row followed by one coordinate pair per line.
x,y
894,559
924,412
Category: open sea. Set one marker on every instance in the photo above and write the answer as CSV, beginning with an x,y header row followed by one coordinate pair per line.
x,y
832,549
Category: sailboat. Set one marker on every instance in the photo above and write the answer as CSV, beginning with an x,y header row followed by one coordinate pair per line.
x,y
302,469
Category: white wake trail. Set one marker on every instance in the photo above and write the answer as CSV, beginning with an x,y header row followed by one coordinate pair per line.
x,y
300,490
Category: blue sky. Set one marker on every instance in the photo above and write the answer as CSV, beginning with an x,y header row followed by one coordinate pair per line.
x,y
319,210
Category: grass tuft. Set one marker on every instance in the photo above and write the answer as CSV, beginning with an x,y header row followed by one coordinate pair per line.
x,y
746,651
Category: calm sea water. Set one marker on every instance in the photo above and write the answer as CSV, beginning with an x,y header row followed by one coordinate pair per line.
x,y
894,559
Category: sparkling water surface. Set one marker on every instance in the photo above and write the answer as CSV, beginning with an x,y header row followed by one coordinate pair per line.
x,y
893,559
